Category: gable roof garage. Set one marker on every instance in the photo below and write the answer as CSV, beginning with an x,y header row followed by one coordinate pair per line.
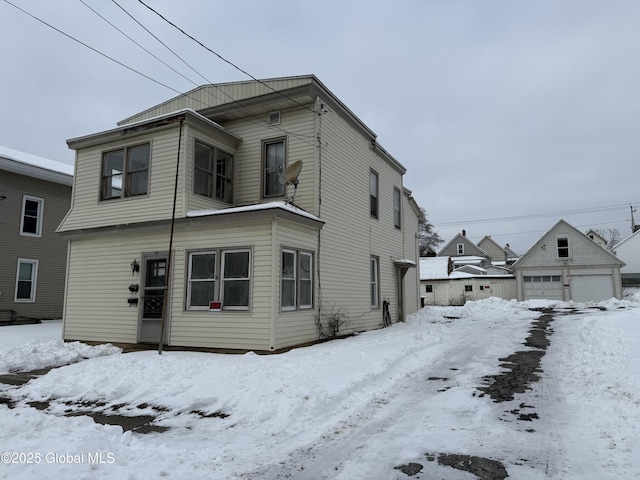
x,y
566,265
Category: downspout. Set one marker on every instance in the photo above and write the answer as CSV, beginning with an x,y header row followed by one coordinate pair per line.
x,y
165,312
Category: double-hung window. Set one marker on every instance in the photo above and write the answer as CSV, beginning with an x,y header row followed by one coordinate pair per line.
x,y
297,280
375,282
219,276
213,173
373,193
273,165
125,172
31,219
26,276
397,200
563,247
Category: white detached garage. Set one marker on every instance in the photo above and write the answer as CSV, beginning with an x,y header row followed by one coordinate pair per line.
x,y
565,264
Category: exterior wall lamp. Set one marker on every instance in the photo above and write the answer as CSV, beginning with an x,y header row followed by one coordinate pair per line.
x,y
135,267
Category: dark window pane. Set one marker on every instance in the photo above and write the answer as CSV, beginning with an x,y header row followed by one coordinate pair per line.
x,y
203,266
138,182
236,293
288,293
30,225
236,265
274,160
139,157
201,293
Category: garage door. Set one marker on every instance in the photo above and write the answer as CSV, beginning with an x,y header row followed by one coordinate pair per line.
x,y
542,286
591,288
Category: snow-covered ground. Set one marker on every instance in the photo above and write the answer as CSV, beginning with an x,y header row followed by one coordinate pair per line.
x,y
355,408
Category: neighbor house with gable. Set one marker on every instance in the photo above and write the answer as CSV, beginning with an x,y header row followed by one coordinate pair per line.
x,y
628,250
565,264
186,225
35,194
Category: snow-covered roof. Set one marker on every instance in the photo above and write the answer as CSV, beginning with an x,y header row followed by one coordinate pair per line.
x,y
37,167
434,268
467,260
252,208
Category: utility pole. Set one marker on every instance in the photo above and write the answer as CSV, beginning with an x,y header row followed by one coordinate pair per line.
x,y
633,223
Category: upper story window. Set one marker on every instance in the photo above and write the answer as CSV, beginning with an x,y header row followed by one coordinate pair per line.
x,y
273,164
213,173
373,193
397,201
26,275
563,247
460,249
31,218
125,172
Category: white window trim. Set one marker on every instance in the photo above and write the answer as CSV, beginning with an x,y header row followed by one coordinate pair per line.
x,y
40,202
460,249
397,208
34,281
303,306
223,257
375,269
568,247
295,280
190,280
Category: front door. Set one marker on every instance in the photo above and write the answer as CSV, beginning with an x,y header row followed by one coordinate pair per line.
x,y
154,276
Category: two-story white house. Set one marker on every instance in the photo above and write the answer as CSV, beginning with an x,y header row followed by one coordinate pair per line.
x,y
182,226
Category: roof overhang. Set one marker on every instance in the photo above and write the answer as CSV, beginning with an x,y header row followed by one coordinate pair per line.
x,y
170,120
33,171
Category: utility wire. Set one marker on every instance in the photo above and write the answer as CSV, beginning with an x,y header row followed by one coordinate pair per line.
x,y
161,42
93,49
254,115
535,216
222,58
233,100
143,48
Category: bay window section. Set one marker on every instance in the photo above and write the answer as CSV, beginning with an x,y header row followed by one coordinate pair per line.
x,y
235,280
213,172
296,291
202,280
219,276
125,172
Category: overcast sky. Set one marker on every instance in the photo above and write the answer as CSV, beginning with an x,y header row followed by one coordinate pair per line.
x,y
508,114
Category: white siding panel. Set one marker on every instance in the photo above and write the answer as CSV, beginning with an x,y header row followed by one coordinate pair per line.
x,y
88,211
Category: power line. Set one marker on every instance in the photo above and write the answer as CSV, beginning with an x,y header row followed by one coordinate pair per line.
x,y
132,40
93,49
161,42
535,215
222,58
253,114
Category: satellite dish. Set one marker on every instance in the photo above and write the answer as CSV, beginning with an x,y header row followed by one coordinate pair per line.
x,y
290,176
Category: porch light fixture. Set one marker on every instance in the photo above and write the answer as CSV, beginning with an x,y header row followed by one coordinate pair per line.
x,y
135,267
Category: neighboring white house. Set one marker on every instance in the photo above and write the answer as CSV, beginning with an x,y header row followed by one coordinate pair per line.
x,y
243,265
565,264
441,284
596,237
628,250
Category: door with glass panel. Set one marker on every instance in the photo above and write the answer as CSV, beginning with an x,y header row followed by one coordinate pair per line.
x,y
154,283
